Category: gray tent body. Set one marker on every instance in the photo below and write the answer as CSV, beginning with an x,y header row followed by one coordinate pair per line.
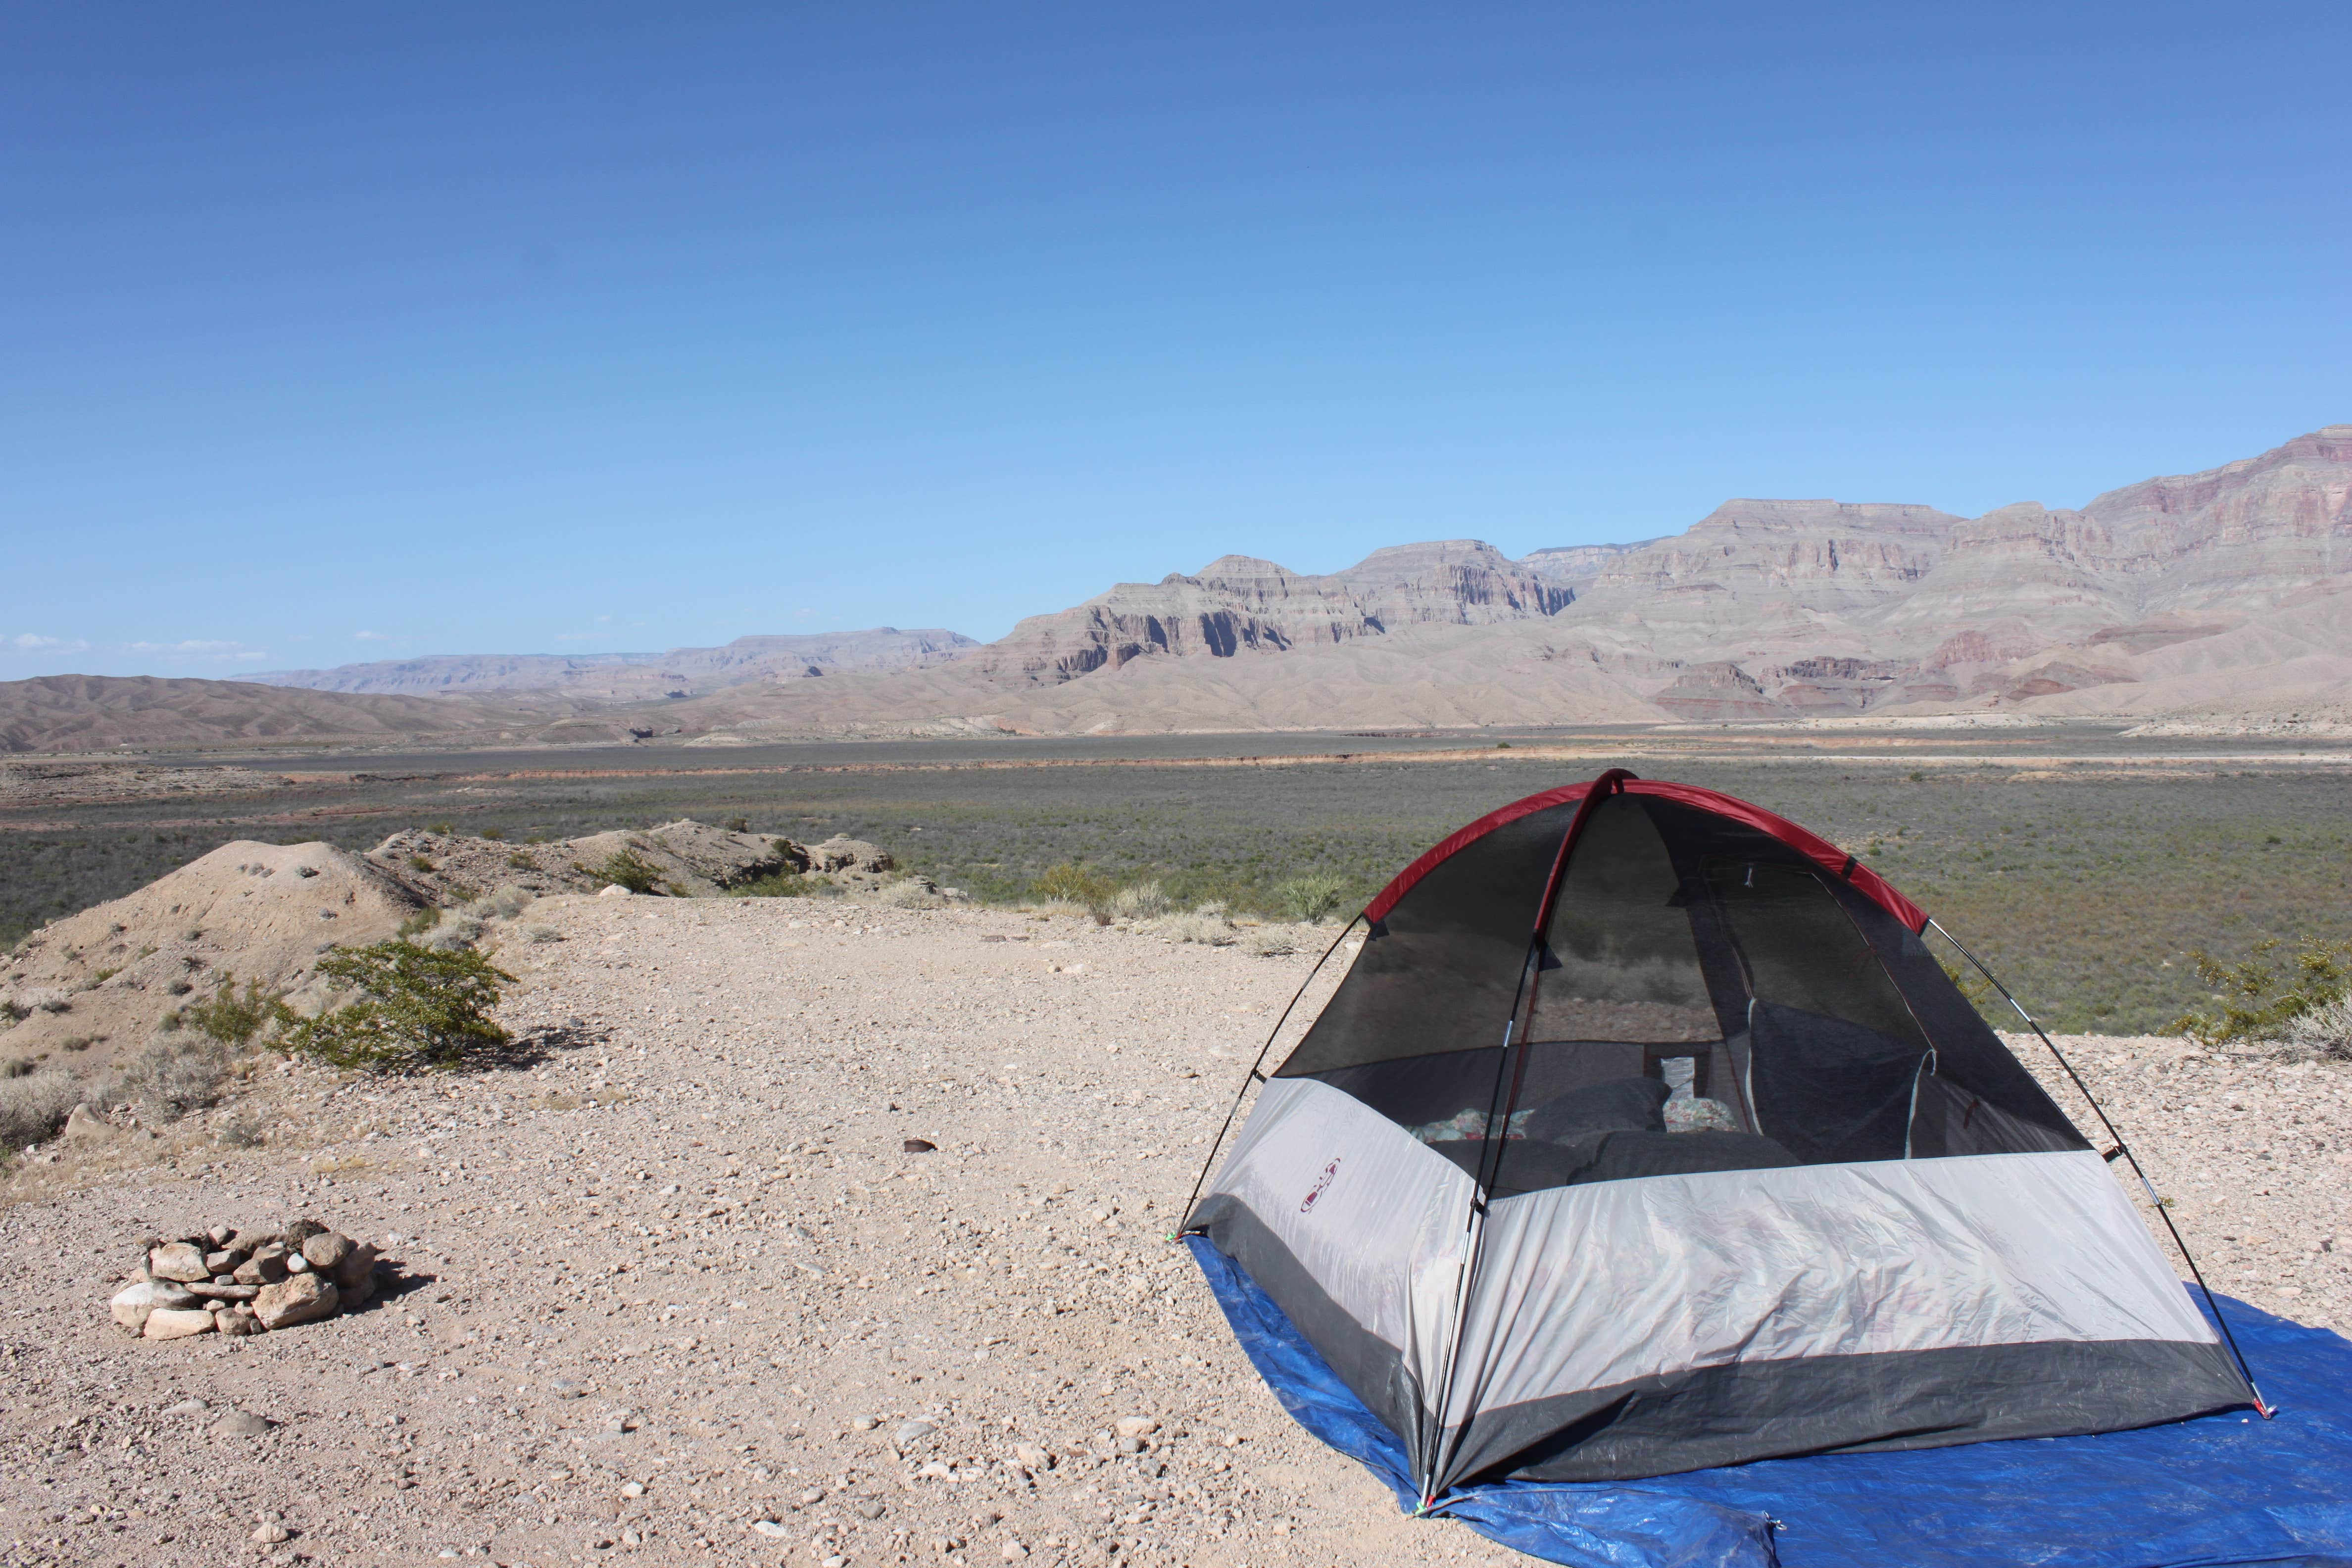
x,y
1648,1137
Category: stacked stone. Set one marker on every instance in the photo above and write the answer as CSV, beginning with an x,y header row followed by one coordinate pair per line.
x,y
233,1281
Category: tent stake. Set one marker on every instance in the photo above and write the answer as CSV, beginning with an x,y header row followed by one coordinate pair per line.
x,y
2123,1149
1256,1074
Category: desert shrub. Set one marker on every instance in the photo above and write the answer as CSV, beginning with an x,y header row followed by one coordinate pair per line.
x,y
419,863
418,1008
19,1067
1072,884
1140,901
103,975
14,1010
32,1107
518,860
2327,1028
423,921
544,934
1272,944
440,827
494,834
783,885
81,1042
1314,897
510,902
2260,997
243,1131
55,1005
908,893
169,1079
454,935
739,824
627,869
233,1020
1207,925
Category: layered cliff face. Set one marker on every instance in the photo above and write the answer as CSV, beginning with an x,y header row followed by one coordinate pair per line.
x,y
2155,594
1239,604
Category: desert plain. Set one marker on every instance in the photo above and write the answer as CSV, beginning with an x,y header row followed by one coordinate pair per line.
x,y
672,1280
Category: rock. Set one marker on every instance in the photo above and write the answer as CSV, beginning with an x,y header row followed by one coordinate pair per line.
x,y
870,1509
915,1431
771,1529
917,1146
213,1289
270,1534
1031,1457
302,1230
297,1264
1014,1552
177,1322
221,1235
132,1305
187,1407
240,1423
223,1260
326,1250
1136,1425
359,1292
178,1261
615,892
634,1489
300,1299
843,853
864,1424
354,1266
266,1267
236,1324
85,1125
811,1497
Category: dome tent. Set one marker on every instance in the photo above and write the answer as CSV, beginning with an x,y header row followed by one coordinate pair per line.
x,y
1645,1134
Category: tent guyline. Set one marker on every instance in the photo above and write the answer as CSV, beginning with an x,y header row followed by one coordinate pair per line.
x,y
2122,1147
1643,1133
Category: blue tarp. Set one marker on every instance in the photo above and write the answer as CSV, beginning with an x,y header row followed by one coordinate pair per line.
x,y
2228,1488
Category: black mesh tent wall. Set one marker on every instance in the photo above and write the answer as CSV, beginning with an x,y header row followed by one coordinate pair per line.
x,y
1645,1134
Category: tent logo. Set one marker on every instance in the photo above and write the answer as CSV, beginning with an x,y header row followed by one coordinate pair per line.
x,y
1321,1182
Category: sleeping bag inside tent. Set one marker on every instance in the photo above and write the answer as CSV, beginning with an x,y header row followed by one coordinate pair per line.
x,y
1645,1134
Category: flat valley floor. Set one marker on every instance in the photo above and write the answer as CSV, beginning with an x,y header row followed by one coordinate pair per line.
x,y
671,1290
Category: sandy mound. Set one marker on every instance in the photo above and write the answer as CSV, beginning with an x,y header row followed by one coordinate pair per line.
x,y
93,986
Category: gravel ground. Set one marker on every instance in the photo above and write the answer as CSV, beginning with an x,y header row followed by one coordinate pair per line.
x,y
671,1290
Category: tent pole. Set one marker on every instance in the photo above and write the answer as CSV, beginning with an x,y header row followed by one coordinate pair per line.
x,y
1490,1163
2121,1147
1256,1074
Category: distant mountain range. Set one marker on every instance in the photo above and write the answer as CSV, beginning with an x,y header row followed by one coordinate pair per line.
x,y
2212,598
636,677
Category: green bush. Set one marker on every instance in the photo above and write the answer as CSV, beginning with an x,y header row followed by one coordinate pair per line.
x,y
418,1008
494,834
783,885
2260,997
1312,897
231,1020
627,869
1072,884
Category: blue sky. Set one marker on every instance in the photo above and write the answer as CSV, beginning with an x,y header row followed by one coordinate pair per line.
x,y
348,332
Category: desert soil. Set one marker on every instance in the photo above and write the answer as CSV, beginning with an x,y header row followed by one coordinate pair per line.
x,y
669,1275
